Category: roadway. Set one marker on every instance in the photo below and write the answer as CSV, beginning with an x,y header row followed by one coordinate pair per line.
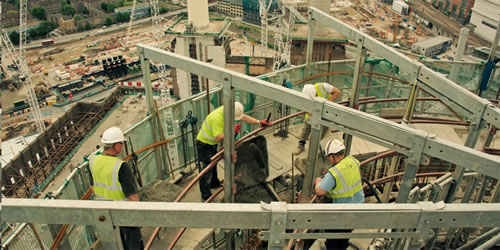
x,y
451,26
117,27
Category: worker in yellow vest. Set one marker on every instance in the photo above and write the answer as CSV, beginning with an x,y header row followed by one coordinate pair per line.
x,y
323,90
212,133
342,183
113,180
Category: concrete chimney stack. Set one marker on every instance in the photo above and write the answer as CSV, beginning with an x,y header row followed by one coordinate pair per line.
x,y
323,5
198,13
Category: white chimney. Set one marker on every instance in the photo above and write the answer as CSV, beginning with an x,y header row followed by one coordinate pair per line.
x,y
323,5
198,13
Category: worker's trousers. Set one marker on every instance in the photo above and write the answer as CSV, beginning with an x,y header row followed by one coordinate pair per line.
x,y
331,244
131,238
210,179
306,131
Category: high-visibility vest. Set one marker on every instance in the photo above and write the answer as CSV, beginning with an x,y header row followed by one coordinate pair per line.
x,y
215,118
320,92
347,178
105,171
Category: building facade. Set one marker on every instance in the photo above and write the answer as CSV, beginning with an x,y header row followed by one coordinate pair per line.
x,y
230,7
141,10
485,18
251,12
458,9
432,46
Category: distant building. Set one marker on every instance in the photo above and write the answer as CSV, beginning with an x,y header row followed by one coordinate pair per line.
x,y
251,12
141,10
432,46
458,9
484,53
67,25
485,18
231,7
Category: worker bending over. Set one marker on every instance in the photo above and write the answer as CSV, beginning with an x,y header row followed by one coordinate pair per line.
x,y
113,180
323,90
211,133
342,183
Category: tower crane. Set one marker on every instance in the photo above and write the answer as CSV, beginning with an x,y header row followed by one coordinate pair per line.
x,y
264,7
25,76
164,91
129,29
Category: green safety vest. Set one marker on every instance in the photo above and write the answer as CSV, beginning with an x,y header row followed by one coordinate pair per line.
x,y
105,169
212,127
320,92
347,178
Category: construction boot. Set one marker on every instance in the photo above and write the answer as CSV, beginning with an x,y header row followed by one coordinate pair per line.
x,y
300,149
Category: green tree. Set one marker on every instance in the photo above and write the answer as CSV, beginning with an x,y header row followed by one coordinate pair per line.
x,y
120,3
78,18
85,11
164,10
45,27
108,21
110,8
122,17
33,33
104,6
14,37
80,27
68,10
39,13
88,26
11,12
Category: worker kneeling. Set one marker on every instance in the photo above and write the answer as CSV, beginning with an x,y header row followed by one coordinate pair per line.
x,y
342,183
113,180
211,133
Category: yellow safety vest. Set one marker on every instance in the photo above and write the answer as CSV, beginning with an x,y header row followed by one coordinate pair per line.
x,y
212,127
105,171
347,178
320,92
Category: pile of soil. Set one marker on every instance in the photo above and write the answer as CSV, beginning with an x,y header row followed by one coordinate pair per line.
x,y
252,168
160,190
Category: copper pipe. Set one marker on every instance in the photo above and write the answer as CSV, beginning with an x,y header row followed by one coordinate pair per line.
x,y
62,231
179,234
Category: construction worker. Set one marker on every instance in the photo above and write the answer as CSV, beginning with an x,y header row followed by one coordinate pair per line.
x,y
342,183
323,90
113,180
211,133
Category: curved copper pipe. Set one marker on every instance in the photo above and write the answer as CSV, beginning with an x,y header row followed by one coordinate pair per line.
x,y
62,231
215,159
181,232
150,146
378,157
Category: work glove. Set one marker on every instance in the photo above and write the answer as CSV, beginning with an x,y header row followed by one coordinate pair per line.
x,y
237,128
264,123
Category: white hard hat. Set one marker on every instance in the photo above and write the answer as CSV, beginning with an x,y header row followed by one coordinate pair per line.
x,y
238,110
112,135
309,90
334,146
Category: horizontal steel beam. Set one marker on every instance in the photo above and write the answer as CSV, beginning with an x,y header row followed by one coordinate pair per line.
x,y
369,125
250,216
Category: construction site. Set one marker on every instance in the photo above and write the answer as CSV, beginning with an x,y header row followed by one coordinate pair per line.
x,y
417,109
